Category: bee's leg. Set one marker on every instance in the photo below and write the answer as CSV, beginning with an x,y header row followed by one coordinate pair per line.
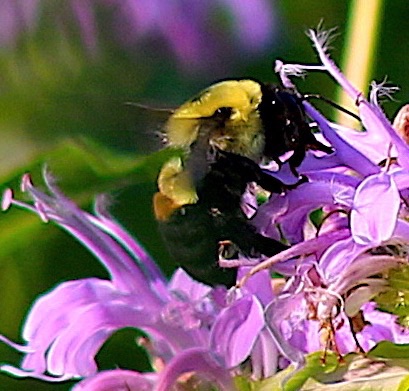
x,y
296,159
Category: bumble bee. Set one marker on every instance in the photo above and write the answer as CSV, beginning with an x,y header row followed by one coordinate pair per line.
x,y
226,131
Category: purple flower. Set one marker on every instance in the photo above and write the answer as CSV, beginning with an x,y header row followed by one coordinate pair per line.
x,y
192,327
333,270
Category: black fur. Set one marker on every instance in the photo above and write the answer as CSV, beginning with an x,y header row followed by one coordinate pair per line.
x,y
193,233
285,125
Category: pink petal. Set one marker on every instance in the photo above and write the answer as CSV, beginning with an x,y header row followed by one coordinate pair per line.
x,y
375,210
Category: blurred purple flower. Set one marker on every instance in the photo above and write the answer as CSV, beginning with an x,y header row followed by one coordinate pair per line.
x,y
16,17
197,32
192,326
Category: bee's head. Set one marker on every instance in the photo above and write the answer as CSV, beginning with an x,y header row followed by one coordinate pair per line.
x,y
283,119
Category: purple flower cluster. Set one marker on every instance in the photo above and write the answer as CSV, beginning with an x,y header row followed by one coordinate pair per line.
x,y
332,273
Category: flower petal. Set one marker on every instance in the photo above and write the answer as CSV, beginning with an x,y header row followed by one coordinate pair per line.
x,y
264,357
182,282
339,256
375,210
278,311
117,379
236,329
258,284
67,326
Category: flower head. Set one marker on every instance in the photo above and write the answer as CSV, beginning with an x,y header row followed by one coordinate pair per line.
x,y
364,211
192,327
336,265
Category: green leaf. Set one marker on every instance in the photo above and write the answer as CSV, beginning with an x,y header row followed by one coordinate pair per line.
x,y
387,349
82,161
399,278
243,384
316,217
275,382
314,366
395,299
353,373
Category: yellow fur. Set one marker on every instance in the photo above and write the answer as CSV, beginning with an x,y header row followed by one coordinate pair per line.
x,y
175,183
241,133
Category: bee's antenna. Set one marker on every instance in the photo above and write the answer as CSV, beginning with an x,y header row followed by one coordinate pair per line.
x,y
147,107
332,103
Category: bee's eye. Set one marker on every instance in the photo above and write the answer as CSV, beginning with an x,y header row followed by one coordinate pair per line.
x,y
223,113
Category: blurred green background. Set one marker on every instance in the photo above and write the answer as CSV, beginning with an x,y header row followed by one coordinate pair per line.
x,y
68,69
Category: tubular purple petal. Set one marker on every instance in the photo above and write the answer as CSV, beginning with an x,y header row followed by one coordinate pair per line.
x,y
320,39
346,154
365,266
21,373
375,120
139,256
372,144
119,262
182,282
67,327
402,230
371,115
124,273
7,199
317,245
258,285
16,346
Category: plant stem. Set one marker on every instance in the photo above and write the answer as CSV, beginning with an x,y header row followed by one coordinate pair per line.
x,y
363,29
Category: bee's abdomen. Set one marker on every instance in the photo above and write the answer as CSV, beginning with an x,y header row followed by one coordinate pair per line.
x,y
192,237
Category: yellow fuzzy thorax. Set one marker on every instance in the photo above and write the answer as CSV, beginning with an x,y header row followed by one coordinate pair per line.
x,y
242,132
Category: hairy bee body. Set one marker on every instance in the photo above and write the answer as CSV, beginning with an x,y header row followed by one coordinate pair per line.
x,y
226,131
193,232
